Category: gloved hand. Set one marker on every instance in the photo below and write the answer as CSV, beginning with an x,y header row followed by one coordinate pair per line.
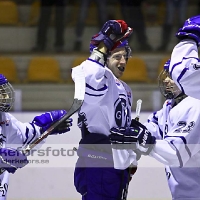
x,y
139,138
126,135
47,119
12,159
190,29
145,140
112,33
125,138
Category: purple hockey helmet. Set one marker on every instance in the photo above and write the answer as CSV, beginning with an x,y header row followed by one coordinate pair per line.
x,y
122,44
3,79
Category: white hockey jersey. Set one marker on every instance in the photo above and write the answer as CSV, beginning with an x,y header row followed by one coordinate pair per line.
x,y
14,134
178,146
185,67
107,102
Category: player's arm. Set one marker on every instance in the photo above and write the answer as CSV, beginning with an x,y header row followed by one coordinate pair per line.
x,y
177,147
182,138
110,36
185,64
154,125
12,159
28,132
139,139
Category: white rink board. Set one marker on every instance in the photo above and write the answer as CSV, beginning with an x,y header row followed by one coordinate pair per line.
x,y
56,183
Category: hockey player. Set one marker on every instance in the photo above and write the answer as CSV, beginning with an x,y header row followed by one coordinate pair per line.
x,y
107,103
185,65
171,136
15,134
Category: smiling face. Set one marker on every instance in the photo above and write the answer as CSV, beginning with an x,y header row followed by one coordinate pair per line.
x,y
117,61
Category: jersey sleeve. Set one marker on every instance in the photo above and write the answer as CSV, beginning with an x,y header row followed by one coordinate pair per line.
x,y
185,67
23,133
153,125
123,158
96,78
182,141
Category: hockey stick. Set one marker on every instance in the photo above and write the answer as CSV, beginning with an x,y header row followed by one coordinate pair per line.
x,y
79,79
79,93
125,192
138,108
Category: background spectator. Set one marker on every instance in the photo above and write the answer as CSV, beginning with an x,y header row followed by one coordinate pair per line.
x,y
102,18
132,14
44,20
180,6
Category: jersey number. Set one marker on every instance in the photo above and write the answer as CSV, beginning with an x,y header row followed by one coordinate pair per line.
x,y
184,128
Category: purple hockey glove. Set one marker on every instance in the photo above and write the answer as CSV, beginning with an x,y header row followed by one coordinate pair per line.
x,y
12,159
47,119
190,29
112,33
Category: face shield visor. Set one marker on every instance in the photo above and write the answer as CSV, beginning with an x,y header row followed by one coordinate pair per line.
x,y
6,97
167,86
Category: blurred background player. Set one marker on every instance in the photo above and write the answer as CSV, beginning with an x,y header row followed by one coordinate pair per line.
x,y
15,134
107,103
171,136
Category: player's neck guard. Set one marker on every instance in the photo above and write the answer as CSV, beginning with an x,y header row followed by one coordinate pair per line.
x,y
178,99
98,56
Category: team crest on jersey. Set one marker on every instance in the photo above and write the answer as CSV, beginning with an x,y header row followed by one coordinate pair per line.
x,y
121,113
82,119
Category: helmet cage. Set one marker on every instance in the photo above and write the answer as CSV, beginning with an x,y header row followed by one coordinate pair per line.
x,y
128,52
7,97
169,91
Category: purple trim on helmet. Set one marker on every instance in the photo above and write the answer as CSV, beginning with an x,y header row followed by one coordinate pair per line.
x,y
123,44
92,47
3,79
166,65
